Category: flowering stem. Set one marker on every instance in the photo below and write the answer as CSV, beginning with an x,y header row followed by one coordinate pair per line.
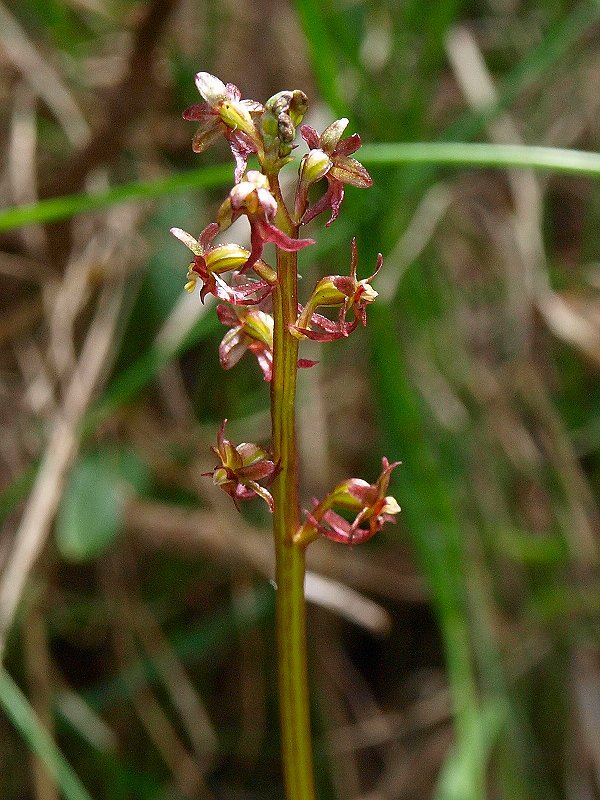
x,y
290,568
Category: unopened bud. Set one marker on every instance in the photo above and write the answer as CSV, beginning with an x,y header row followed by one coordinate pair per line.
x,y
298,106
285,129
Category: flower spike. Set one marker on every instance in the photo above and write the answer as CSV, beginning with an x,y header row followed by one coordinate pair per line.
x,y
241,467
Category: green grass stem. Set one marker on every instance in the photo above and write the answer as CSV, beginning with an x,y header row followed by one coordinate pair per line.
x,y
18,709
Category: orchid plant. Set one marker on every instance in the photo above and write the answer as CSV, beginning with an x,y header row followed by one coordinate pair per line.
x,y
259,306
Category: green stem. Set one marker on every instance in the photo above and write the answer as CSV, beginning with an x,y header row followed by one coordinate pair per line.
x,y
289,574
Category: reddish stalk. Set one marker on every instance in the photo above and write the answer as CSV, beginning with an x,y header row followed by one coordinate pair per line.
x,y
294,708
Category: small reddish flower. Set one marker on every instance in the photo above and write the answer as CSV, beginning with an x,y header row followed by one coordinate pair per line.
x,y
224,113
209,262
241,467
373,509
342,169
343,291
253,198
250,329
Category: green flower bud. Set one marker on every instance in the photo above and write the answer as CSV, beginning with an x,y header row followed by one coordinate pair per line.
x,y
298,106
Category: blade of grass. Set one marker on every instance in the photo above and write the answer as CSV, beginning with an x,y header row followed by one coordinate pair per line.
x,y
191,646
434,527
467,154
393,154
538,61
56,208
23,717
558,40
123,388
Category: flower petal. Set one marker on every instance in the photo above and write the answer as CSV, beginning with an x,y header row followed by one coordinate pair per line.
x,y
233,346
188,240
205,136
310,136
349,170
306,363
197,112
281,239
332,135
241,148
212,89
264,356
348,146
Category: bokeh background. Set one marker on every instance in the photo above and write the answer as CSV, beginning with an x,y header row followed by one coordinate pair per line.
x,y
454,656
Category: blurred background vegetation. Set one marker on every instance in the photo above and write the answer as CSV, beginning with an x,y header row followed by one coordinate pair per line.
x,y
456,655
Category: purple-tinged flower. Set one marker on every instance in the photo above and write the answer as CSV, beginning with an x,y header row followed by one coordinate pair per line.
x,y
225,113
337,291
253,198
373,508
241,467
210,262
342,169
250,329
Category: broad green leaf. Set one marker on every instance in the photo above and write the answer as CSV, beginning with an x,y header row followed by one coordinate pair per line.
x,y
90,516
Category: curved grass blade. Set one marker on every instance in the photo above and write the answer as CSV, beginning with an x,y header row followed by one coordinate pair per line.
x,y
56,208
18,709
495,156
